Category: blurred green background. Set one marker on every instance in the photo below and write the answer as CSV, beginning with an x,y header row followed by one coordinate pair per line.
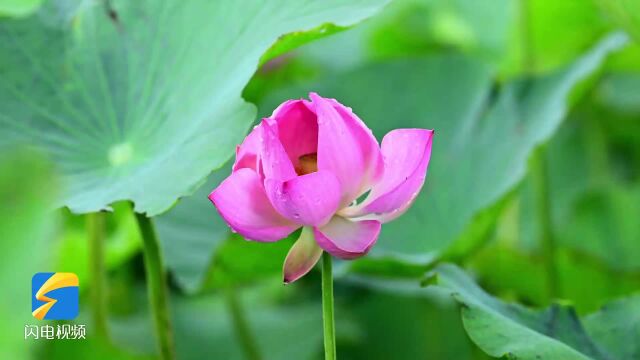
x,y
532,197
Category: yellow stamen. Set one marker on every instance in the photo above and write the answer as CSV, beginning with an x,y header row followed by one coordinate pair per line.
x,y
307,164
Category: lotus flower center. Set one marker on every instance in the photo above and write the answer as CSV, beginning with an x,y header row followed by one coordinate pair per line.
x,y
307,164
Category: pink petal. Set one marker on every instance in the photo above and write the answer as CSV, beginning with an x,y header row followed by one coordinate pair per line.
x,y
346,147
347,239
274,159
310,199
243,204
247,152
406,155
302,257
297,129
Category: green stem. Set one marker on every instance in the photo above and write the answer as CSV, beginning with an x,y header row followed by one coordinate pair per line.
x,y
241,326
327,308
528,57
596,148
540,180
96,231
156,287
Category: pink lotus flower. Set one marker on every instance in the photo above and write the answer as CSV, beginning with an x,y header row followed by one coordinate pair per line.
x,y
307,166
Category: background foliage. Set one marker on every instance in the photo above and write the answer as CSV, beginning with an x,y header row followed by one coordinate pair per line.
x,y
533,191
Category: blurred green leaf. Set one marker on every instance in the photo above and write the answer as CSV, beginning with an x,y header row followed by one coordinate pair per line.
x,y
605,224
515,36
239,261
190,232
593,195
513,331
627,60
578,142
18,8
550,34
26,229
141,100
512,274
204,330
122,241
621,91
85,349
593,212
508,271
417,26
482,141
626,13
400,320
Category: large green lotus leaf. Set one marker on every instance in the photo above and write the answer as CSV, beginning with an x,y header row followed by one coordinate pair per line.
x,y
516,332
140,100
26,228
617,327
482,141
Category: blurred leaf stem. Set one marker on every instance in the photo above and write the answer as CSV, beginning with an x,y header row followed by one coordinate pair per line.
x,y
599,172
538,168
241,326
540,179
157,286
96,229
528,59
329,324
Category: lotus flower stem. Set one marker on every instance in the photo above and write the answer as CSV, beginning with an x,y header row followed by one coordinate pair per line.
x,y
157,287
327,308
541,187
241,326
96,233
